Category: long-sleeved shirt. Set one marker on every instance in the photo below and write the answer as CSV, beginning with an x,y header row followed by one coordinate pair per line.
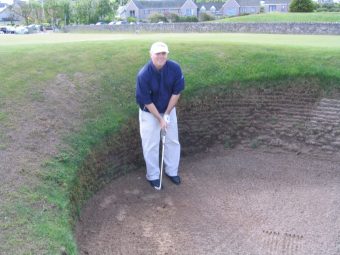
x,y
157,86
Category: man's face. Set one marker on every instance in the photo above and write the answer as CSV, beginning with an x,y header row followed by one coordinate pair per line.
x,y
159,59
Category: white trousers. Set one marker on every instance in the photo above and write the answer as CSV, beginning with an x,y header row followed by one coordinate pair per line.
x,y
150,134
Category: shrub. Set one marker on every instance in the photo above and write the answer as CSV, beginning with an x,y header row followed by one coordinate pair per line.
x,y
244,14
131,19
301,6
328,7
188,19
173,17
205,17
155,18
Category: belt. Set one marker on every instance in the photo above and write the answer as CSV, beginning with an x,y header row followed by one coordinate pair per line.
x,y
145,109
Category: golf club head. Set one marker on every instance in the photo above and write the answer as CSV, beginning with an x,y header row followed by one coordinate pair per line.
x,y
158,188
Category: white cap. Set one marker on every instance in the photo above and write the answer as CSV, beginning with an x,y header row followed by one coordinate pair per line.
x,y
158,47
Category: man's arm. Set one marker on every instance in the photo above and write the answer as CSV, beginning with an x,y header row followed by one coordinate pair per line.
x,y
152,108
172,103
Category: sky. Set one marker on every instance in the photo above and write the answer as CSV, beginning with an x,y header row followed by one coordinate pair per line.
x,y
10,1
6,1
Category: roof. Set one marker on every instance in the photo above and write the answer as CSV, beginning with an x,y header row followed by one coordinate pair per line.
x,y
3,10
121,9
154,4
248,2
218,5
276,1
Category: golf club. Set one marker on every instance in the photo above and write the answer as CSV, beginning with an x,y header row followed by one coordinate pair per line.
x,y
163,133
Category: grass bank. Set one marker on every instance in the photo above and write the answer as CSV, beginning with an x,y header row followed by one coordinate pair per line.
x,y
35,216
319,17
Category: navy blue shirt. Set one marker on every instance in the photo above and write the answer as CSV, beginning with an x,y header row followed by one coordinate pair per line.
x,y
157,86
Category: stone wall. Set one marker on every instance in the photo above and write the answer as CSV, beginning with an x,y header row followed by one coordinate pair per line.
x,y
270,28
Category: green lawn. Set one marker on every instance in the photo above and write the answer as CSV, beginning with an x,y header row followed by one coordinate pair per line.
x,y
30,62
287,17
21,42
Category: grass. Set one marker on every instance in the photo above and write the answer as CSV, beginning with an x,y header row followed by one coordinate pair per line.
x,y
321,17
36,218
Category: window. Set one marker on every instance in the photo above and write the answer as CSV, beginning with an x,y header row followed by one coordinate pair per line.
x,y
272,8
188,12
132,14
231,12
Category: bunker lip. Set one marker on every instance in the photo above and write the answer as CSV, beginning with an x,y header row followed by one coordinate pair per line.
x,y
296,116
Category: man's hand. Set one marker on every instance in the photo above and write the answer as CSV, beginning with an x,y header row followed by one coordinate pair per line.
x,y
163,124
152,108
166,118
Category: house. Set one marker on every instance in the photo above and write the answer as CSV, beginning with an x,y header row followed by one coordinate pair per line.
x,y
239,7
276,5
142,10
211,8
3,6
7,15
121,12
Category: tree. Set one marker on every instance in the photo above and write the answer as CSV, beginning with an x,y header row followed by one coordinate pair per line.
x,y
301,6
37,12
91,11
54,11
104,10
67,9
23,9
85,11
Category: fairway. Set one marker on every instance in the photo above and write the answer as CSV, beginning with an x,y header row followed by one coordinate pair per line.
x,y
317,41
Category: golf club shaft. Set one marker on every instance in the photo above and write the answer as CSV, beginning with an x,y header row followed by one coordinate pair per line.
x,y
162,159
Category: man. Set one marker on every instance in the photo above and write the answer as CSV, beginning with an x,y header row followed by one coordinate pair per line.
x,y
158,87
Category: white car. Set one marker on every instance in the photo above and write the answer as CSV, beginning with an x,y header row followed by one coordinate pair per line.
x,y
10,30
21,30
100,23
121,22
